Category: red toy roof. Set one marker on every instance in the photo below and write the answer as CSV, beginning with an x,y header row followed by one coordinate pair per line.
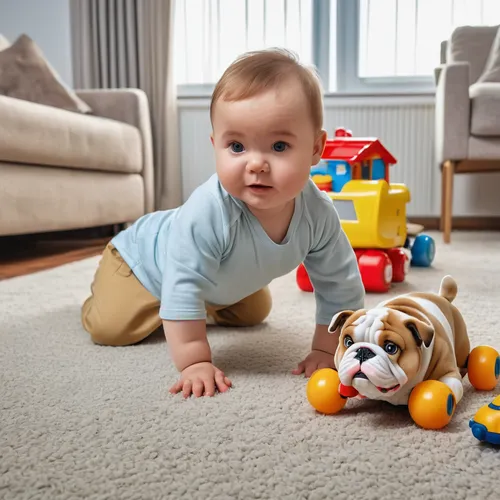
x,y
354,150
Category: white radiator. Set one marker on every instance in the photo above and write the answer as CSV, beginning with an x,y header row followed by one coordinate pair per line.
x,y
405,126
406,130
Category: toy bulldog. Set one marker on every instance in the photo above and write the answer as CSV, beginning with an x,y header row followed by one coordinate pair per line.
x,y
384,352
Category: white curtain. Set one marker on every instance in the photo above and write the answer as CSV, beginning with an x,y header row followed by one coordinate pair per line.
x,y
129,43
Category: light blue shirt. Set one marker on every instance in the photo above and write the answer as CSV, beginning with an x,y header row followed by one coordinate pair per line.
x,y
213,250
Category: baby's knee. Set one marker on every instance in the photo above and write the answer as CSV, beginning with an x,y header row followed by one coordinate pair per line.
x,y
108,334
109,337
103,330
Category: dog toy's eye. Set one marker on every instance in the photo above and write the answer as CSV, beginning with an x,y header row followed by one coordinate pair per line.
x,y
391,348
348,341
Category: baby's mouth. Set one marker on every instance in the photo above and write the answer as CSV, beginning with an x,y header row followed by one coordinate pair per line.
x,y
260,186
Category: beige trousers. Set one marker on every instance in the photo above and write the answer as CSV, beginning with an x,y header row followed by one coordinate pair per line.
x,y
120,311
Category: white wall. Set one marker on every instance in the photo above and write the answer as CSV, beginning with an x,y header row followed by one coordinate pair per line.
x,y
404,125
47,22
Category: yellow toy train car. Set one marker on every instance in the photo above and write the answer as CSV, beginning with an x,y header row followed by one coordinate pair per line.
x,y
373,213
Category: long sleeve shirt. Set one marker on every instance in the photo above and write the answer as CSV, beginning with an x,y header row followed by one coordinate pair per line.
x,y
213,250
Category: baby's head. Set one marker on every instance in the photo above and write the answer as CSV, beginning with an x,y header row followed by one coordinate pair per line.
x,y
267,121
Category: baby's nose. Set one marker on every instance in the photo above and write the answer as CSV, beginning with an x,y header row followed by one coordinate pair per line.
x,y
258,165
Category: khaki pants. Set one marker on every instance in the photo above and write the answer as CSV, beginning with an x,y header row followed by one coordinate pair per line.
x,y
120,311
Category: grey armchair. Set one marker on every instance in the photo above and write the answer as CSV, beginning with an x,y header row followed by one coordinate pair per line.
x,y
467,110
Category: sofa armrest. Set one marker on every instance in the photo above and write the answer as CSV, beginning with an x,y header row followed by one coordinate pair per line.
x,y
452,114
129,106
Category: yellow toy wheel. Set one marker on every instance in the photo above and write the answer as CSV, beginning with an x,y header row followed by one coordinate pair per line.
x,y
323,391
431,404
483,367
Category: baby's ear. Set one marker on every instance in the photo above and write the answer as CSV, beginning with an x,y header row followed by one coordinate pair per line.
x,y
338,320
212,139
319,146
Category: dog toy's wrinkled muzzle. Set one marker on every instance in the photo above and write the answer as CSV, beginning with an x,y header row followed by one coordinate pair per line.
x,y
367,371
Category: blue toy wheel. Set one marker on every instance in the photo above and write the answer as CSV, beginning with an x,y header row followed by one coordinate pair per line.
x,y
481,433
423,251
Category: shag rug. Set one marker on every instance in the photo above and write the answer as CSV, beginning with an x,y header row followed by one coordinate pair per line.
x,y
80,421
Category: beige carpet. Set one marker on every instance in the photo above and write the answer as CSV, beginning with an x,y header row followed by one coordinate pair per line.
x,y
82,421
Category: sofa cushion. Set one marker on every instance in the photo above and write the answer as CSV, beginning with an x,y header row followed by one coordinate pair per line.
x,y
26,74
491,72
39,199
485,109
43,135
471,44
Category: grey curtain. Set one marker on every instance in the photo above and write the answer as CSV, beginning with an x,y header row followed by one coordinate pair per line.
x,y
129,43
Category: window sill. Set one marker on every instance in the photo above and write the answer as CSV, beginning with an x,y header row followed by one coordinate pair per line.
x,y
378,98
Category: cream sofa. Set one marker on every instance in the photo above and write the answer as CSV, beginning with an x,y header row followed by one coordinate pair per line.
x,y
63,170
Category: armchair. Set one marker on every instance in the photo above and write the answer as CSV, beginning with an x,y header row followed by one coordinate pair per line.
x,y
467,109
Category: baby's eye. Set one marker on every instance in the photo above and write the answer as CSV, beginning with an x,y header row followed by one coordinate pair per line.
x,y
237,147
280,146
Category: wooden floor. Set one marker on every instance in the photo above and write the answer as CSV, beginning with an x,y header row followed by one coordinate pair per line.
x,y
21,255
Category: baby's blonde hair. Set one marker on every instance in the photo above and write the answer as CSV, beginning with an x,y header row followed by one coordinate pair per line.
x,y
257,71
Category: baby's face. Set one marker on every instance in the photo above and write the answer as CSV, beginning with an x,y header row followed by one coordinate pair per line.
x,y
265,146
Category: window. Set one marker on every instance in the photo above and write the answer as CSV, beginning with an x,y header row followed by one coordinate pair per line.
x,y
357,45
402,37
210,34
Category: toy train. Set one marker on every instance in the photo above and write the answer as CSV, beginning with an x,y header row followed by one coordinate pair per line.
x,y
355,174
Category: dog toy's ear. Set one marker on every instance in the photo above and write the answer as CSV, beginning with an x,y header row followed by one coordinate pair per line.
x,y
422,332
338,320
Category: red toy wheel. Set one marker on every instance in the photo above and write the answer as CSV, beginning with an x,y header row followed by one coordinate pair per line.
x,y
303,281
400,264
376,271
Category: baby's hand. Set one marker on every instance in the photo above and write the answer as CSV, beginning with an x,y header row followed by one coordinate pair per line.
x,y
201,379
314,361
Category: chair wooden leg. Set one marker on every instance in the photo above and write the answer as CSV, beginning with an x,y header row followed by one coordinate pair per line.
x,y
441,219
447,199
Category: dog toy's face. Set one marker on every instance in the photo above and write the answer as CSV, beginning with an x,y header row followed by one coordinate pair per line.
x,y
380,350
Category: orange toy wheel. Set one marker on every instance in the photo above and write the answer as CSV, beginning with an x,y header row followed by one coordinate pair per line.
x,y
483,367
431,404
323,391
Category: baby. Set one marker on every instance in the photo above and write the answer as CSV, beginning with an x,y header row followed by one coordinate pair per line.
x,y
257,218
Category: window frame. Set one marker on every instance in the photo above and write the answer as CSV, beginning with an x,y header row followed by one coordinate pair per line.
x,y
346,54
348,80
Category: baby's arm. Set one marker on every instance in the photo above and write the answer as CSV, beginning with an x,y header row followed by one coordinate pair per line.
x,y
324,341
191,354
193,255
187,342
334,273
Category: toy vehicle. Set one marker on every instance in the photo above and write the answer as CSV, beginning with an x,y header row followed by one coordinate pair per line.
x,y
431,403
485,425
355,174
